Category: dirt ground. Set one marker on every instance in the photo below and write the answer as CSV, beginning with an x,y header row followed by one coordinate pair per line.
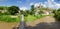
x,y
5,25
47,22
47,19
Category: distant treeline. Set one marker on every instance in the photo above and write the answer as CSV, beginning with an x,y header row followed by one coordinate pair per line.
x,y
9,10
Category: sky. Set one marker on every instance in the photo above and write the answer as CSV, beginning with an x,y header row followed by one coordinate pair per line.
x,y
26,4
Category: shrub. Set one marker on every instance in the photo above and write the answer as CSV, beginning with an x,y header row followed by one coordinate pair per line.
x,y
57,15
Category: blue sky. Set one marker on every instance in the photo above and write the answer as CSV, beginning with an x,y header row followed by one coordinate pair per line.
x,y
25,4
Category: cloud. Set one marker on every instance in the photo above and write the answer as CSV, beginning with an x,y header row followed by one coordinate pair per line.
x,y
52,0
57,5
23,8
38,4
44,5
31,3
35,4
52,4
48,3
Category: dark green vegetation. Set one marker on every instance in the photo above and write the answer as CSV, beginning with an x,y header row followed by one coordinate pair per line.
x,y
7,12
13,10
57,14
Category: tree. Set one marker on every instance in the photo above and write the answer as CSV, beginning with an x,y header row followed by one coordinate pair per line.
x,y
32,9
13,10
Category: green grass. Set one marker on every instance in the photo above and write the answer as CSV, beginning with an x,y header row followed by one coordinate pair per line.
x,y
29,18
7,18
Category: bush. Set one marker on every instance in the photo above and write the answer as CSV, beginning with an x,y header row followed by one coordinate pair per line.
x,y
57,15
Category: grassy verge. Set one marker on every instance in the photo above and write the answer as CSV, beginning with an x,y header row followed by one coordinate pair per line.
x,y
29,18
7,18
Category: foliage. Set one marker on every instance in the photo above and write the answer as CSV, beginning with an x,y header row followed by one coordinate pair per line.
x,y
3,7
13,10
32,9
25,13
57,15
41,12
28,11
7,18
31,18
39,16
43,8
53,11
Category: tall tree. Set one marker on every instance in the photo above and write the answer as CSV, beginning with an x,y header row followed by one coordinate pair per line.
x,y
32,9
13,10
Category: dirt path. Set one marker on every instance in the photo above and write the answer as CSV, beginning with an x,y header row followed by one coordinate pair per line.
x,y
5,25
47,22
47,19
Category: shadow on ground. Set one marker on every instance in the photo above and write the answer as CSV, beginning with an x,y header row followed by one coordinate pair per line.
x,y
44,25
